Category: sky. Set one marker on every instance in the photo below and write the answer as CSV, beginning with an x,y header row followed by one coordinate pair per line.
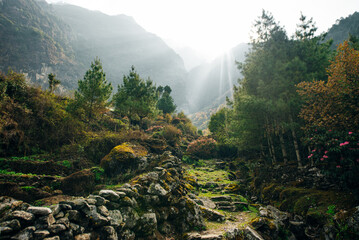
x,y
213,26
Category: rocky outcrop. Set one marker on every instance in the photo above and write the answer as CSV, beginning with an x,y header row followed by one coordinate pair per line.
x,y
148,207
124,157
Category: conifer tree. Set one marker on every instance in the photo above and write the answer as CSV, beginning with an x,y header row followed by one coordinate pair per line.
x,y
93,91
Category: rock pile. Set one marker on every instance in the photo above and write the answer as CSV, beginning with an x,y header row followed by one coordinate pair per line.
x,y
149,207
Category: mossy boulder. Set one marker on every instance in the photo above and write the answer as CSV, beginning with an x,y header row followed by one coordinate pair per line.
x,y
124,157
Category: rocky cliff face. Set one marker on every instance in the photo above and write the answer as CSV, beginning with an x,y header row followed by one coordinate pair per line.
x,y
38,38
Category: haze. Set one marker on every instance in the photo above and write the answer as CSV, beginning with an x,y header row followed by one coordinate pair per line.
x,y
212,26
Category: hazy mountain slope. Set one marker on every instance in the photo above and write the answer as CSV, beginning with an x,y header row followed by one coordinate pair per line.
x,y
37,38
209,84
120,43
32,40
341,29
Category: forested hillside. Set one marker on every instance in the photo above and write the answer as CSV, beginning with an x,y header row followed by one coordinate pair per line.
x,y
344,27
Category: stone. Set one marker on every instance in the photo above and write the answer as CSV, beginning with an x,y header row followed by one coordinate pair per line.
x,y
212,215
41,234
123,158
128,192
353,221
97,219
208,203
80,204
221,198
55,209
110,195
157,189
109,233
130,217
25,234
23,216
84,236
65,221
252,234
103,211
5,230
57,228
115,217
53,238
73,216
99,200
65,207
39,210
76,229
13,224
147,224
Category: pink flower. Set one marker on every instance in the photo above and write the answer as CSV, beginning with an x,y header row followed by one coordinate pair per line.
x,y
350,133
325,156
313,150
329,130
338,166
322,159
325,152
311,155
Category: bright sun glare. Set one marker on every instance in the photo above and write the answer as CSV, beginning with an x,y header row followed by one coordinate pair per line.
x,y
213,26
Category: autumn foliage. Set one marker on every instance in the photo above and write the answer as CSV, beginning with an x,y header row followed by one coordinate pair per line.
x,y
334,104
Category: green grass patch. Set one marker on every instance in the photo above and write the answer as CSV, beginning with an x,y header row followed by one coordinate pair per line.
x,y
12,173
203,176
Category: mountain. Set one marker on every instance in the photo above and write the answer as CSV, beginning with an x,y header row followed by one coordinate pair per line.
x,y
33,41
210,83
340,31
65,39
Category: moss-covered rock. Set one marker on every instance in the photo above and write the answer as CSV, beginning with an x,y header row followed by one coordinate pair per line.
x,y
124,157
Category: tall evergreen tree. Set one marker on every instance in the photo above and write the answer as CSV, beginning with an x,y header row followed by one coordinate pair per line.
x,y
93,91
166,103
136,97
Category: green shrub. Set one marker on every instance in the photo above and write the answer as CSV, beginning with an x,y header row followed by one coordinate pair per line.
x,y
171,134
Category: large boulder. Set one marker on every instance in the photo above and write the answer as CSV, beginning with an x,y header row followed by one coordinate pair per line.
x,y
126,156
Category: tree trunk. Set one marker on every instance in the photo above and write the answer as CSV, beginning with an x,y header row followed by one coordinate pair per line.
x,y
295,142
270,144
282,145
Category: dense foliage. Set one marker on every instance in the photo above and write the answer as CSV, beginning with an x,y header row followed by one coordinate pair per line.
x,y
263,114
32,120
294,103
331,114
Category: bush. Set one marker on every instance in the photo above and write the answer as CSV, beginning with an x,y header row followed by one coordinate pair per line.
x,y
202,148
171,134
336,153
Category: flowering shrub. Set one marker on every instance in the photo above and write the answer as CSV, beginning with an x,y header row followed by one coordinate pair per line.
x,y
336,152
154,129
202,148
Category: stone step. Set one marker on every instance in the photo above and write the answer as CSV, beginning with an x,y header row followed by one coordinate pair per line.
x,y
221,198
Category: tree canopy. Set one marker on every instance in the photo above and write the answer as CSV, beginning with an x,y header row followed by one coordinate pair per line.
x,y
93,91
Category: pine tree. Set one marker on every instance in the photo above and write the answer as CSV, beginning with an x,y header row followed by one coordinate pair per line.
x,y
93,91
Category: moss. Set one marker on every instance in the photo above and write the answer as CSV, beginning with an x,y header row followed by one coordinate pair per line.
x,y
315,217
232,188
